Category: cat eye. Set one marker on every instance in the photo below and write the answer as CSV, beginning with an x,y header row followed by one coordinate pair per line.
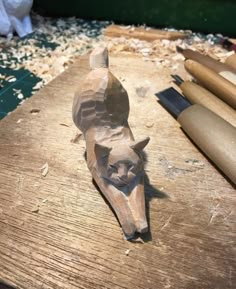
x,y
114,168
130,166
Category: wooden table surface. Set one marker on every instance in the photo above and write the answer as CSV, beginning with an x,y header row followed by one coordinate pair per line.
x,y
57,231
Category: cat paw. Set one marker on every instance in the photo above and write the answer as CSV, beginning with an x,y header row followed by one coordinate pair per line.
x,y
142,226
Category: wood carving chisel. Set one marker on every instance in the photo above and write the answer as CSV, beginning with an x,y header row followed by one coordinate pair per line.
x,y
199,95
211,80
213,135
222,69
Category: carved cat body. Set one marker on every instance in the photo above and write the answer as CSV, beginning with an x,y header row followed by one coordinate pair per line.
x,y
100,111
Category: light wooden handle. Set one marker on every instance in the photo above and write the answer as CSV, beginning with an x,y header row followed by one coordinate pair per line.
x,y
212,81
231,61
206,60
142,33
213,135
199,95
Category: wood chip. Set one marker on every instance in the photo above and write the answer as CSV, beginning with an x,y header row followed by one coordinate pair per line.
x,y
137,240
44,169
64,124
10,79
20,96
76,138
149,124
35,111
38,85
35,209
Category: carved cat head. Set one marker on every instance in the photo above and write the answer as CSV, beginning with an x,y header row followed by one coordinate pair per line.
x,y
119,165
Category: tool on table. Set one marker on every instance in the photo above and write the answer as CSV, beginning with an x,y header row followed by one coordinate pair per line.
x,y
213,135
199,95
231,61
212,81
223,69
142,33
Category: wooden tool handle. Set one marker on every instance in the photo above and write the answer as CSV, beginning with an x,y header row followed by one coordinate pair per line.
x,y
212,81
142,33
231,61
206,60
199,95
213,135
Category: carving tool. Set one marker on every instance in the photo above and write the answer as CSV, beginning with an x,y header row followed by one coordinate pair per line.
x,y
223,69
142,33
199,95
231,61
213,135
211,80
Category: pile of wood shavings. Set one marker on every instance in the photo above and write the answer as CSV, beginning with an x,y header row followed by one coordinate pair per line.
x,y
53,46
163,52
56,43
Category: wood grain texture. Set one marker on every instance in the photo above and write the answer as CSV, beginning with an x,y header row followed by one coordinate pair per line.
x,y
72,239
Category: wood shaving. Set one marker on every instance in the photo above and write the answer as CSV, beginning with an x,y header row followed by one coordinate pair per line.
x,y
64,124
163,52
149,124
10,79
20,96
35,111
137,240
44,169
35,209
38,85
76,138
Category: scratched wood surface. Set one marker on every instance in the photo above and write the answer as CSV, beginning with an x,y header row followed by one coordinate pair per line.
x,y
58,232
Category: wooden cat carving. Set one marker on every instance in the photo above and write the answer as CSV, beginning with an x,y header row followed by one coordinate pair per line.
x,y
114,158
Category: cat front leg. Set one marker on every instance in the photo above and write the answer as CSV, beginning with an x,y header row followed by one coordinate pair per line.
x,y
27,24
137,205
119,202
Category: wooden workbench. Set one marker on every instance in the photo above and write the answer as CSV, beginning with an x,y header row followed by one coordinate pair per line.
x,y
58,232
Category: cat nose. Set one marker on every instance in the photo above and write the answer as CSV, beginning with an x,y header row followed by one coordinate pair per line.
x,y
123,177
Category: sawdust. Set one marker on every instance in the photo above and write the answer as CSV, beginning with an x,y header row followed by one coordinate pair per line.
x,y
67,39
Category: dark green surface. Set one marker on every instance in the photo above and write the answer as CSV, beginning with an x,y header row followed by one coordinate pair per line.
x,y
25,81
209,16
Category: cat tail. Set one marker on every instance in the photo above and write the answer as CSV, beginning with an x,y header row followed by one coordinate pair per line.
x,y
99,58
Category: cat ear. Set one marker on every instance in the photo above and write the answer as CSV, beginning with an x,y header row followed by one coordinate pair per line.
x,y
139,146
101,151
